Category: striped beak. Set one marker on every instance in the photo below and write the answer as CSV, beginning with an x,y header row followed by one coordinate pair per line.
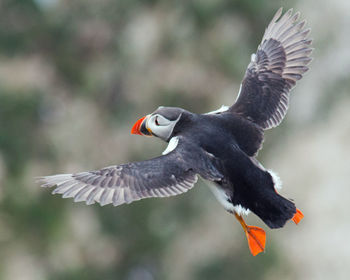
x,y
140,127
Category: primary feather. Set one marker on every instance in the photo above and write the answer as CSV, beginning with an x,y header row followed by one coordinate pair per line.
x,y
281,60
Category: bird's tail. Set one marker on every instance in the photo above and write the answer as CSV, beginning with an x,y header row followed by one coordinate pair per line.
x,y
275,210
272,208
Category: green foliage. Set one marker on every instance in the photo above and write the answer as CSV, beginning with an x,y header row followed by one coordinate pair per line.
x,y
19,128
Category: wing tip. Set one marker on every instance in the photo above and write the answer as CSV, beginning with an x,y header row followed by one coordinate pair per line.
x,y
284,25
52,180
278,14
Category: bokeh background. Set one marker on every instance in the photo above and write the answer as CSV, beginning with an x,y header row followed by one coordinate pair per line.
x,y
76,74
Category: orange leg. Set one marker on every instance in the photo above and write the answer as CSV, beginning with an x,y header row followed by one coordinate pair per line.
x,y
256,236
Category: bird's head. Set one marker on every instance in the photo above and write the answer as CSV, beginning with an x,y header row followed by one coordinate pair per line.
x,y
161,123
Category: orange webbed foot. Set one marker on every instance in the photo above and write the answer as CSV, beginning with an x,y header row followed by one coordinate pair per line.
x,y
298,216
256,236
256,239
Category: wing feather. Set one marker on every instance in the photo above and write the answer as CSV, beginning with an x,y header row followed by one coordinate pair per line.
x,y
167,175
280,61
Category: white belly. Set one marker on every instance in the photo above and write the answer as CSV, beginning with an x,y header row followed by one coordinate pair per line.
x,y
223,198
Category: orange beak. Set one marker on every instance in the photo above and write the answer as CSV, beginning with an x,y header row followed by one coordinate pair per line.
x,y
136,129
140,127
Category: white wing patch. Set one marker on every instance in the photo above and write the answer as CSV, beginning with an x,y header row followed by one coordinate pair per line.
x,y
172,145
223,108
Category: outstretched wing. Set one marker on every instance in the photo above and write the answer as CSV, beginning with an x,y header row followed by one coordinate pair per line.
x,y
279,62
168,175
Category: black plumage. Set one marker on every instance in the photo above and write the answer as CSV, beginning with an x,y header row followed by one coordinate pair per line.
x,y
228,138
220,146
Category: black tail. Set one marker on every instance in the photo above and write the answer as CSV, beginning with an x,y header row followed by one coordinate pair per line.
x,y
274,209
254,188
271,207
258,194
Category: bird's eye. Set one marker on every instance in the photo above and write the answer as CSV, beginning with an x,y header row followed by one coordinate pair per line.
x,y
156,121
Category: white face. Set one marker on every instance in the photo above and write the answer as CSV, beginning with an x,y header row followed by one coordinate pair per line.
x,y
161,126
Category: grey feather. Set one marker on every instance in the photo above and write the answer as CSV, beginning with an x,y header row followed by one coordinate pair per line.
x,y
164,176
280,61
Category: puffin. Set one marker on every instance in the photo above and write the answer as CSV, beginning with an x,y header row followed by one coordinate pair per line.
x,y
220,146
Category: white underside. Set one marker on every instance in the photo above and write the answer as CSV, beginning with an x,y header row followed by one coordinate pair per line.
x,y
223,199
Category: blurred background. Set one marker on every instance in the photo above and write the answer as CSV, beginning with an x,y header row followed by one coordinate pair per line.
x,y
74,77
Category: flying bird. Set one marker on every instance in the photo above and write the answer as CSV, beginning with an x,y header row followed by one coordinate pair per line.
x,y
220,146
